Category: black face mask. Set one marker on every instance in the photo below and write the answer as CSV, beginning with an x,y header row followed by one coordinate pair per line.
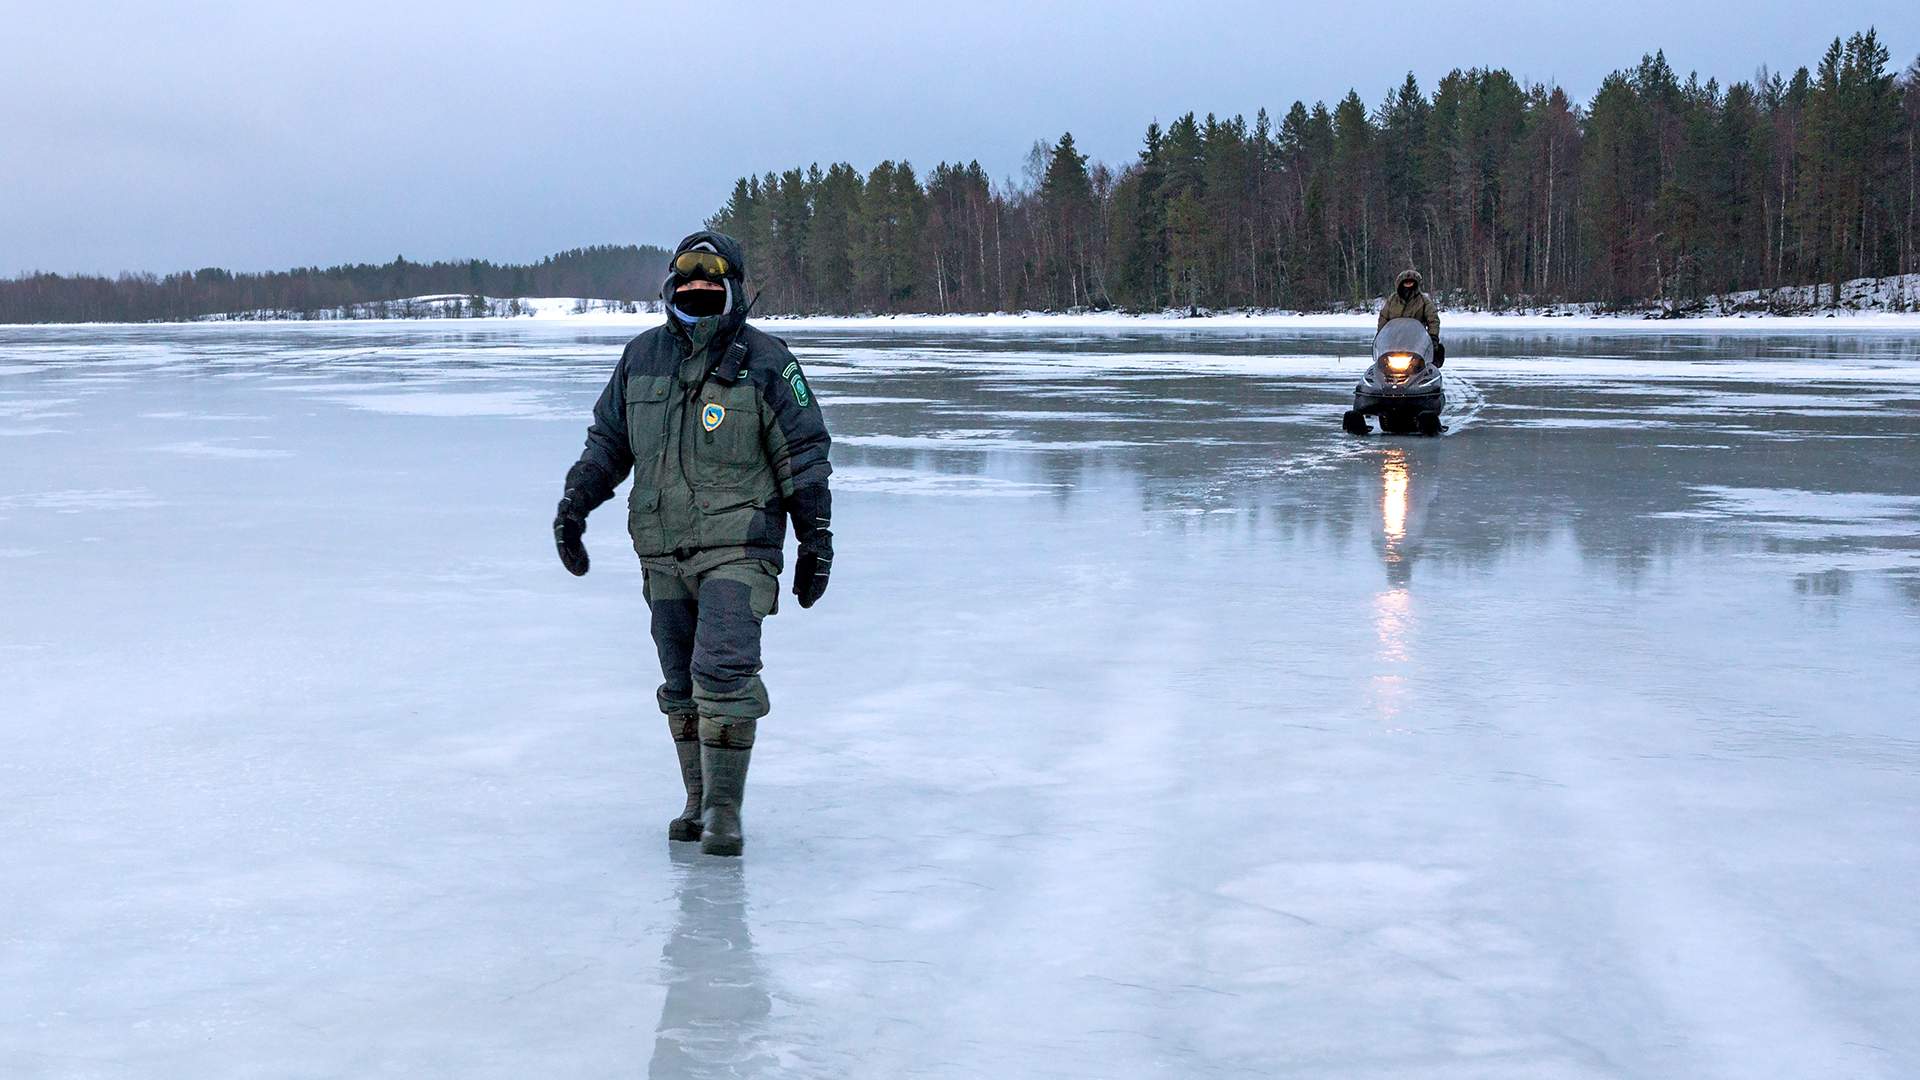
x,y
1407,289
701,303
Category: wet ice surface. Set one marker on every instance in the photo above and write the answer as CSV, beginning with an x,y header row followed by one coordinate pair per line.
x,y
1151,727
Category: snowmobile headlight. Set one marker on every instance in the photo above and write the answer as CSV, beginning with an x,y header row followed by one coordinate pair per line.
x,y
1400,363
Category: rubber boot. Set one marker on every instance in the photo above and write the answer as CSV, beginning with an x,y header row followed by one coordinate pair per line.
x,y
725,750
686,743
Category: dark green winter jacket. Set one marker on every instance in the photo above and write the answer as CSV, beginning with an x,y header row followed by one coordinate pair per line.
x,y
724,442
1419,306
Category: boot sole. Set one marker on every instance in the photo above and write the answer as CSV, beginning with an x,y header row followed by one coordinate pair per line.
x,y
721,845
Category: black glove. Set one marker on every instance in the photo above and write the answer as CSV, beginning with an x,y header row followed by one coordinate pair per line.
x,y
812,510
810,570
1439,353
569,524
587,487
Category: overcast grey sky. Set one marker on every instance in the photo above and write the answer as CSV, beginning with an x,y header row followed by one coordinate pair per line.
x,y
260,134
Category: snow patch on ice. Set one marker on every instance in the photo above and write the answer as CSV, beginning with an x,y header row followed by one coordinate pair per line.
x,y
983,441
77,500
813,375
1589,422
36,408
1882,522
452,404
220,450
1795,505
909,482
211,417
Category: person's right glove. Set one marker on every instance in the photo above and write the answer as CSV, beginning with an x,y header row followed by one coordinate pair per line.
x,y
811,569
569,525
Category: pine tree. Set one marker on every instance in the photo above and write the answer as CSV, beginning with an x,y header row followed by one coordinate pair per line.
x,y
1404,230
1622,172
1136,233
1910,106
1188,231
1067,211
835,238
1358,182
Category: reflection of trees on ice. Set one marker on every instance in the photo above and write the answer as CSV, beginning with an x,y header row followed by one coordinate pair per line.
x,y
714,1017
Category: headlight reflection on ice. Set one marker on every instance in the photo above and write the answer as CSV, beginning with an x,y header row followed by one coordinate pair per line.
x,y
1393,500
1392,609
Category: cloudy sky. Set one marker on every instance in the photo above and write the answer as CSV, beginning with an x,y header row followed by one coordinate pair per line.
x,y
260,134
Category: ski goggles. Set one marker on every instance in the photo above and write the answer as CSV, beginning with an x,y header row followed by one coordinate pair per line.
x,y
701,265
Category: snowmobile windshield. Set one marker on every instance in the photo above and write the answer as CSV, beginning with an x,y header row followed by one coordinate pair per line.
x,y
1404,336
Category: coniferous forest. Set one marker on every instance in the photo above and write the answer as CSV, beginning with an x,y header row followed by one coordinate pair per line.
x,y
1659,190
616,272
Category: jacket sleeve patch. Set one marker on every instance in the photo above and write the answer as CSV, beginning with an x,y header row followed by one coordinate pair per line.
x,y
798,382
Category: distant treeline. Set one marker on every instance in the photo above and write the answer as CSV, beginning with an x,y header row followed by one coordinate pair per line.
x,y
609,272
1658,190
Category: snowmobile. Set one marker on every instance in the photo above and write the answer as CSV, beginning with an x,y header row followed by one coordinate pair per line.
x,y
1401,386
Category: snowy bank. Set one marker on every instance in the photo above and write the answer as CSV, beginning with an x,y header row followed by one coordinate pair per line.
x,y
456,306
611,313
1866,304
1308,322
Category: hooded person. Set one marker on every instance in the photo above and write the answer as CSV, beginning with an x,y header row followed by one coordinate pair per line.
x,y
1407,301
726,443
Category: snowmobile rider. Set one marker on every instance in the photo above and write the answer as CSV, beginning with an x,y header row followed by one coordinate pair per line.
x,y
1409,302
725,442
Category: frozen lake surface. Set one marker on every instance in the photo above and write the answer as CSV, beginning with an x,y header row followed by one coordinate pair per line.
x,y
1152,727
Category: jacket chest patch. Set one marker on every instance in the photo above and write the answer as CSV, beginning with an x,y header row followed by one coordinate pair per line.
x,y
712,415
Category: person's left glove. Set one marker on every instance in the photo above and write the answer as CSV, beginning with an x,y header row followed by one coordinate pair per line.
x,y
812,568
812,509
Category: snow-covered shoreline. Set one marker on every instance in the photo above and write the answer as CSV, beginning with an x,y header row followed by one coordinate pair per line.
x,y
1262,322
1470,321
1864,310
1276,322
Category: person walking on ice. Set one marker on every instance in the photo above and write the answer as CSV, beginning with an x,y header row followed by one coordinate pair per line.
x,y
725,442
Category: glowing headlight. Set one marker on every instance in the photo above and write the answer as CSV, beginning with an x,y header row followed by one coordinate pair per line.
x,y
1399,363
